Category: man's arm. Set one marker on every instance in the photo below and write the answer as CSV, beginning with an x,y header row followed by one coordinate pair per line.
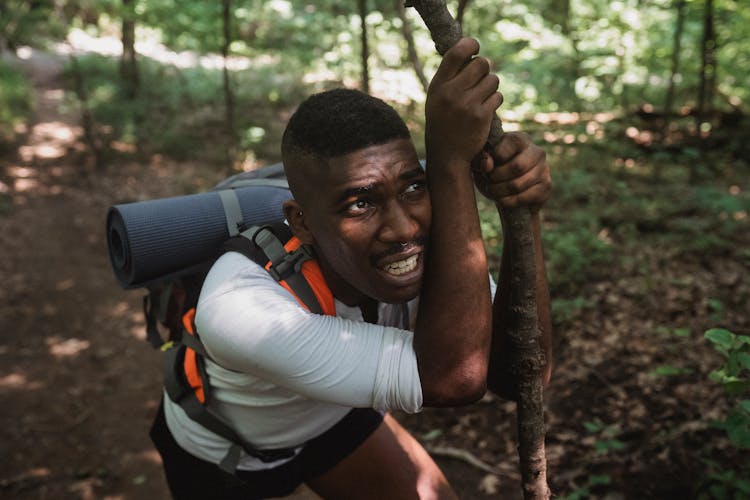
x,y
518,177
453,327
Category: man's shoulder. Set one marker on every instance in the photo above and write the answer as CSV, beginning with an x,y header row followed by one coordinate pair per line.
x,y
232,271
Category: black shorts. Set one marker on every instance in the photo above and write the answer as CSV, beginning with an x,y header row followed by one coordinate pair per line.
x,y
190,477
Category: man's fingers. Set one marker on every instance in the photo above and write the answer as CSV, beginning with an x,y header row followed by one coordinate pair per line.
x,y
510,145
455,58
532,197
517,185
519,164
472,74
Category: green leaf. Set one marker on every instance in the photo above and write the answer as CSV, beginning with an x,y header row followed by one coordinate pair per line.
x,y
430,435
669,370
606,445
735,387
743,359
593,426
599,480
720,337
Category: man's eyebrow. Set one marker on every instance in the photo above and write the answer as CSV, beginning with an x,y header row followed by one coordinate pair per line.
x,y
354,192
412,173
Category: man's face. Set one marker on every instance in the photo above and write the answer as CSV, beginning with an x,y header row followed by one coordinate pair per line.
x,y
368,214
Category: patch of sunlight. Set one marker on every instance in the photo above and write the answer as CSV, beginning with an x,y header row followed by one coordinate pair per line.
x,y
18,381
322,75
21,172
561,118
151,456
123,147
282,7
66,284
67,348
22,185
397,86
55,94
511,126
48,140
148,43
120,309
4,188
24,52
49,151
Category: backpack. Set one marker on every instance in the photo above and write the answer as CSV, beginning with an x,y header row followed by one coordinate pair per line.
x,y
172,268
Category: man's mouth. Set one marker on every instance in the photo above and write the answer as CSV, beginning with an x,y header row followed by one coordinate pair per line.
x,y
402,266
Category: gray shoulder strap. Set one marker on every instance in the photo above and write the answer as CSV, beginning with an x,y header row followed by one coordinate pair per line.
x,y
232,210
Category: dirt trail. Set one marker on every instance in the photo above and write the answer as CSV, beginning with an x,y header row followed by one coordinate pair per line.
x,y
69,354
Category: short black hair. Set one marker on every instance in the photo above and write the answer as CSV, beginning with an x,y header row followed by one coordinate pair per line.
x,y
338,122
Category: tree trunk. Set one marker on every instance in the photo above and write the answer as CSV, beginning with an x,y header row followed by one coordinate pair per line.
x,y
231,141
411,47
526,357
676,47
87,118
708,63
365,54
128,64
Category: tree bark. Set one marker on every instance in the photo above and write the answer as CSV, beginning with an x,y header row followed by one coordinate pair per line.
x,y
708,63
87,118
411,47
128,63
676,45
365,54
231,140
526,358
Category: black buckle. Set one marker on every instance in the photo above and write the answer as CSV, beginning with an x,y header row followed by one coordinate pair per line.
x,y
291,263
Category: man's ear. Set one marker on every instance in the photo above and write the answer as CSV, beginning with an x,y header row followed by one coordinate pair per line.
x,y
296,219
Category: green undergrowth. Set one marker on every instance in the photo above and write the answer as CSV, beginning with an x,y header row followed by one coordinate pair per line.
x,y
15,102
609,213
180,112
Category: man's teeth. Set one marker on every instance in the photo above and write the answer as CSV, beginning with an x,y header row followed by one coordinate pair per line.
x,y
402,266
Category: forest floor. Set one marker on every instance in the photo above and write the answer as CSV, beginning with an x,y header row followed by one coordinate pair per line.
x,y
80,385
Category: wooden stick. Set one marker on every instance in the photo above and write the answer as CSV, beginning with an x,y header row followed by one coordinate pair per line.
x,y
526,357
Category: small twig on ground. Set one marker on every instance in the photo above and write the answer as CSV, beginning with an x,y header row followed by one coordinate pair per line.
x,y
471,459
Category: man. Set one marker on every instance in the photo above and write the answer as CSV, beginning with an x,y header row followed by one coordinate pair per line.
x,y
386,234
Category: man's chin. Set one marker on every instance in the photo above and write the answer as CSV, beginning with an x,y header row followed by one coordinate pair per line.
x,y
395,295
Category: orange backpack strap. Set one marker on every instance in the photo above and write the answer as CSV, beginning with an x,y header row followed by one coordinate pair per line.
x,y
289,262
186,381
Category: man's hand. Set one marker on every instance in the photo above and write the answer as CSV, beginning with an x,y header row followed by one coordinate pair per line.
x,y
515,175
461,102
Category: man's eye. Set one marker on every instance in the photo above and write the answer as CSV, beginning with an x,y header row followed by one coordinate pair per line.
x,y
358,207
414,187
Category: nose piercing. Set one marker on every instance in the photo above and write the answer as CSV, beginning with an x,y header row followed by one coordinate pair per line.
x,y
403,243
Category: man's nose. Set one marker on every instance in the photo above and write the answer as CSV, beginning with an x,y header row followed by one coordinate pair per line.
x,y
398,224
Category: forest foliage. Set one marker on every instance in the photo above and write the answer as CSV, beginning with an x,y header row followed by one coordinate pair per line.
x,y
663,57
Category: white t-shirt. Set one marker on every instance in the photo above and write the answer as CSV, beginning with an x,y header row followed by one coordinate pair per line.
x,y
285,375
